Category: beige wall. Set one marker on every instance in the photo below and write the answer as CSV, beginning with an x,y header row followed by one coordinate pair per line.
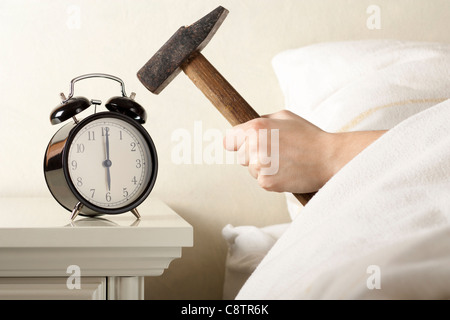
x,y
40,52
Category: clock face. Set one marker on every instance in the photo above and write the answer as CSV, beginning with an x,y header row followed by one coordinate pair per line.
x,y
109,162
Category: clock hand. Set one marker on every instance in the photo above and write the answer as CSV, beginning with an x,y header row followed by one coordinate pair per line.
x,y
107,163
108,178
107,143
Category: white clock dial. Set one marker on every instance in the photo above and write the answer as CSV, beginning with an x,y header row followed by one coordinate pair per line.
x,y
109,163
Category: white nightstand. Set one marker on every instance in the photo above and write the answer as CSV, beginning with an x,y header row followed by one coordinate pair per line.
x,y
42,252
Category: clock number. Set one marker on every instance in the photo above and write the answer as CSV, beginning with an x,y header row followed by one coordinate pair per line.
x,y
108,197
134,180
79,182
120,135
105,131
133,146
80,148
74,165
93,192
138,163
125,192
91,135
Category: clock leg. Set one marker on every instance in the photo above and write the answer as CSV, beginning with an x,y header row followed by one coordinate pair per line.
x,y
136,213
76,210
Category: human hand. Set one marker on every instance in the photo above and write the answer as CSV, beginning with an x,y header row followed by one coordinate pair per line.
x,y
286,153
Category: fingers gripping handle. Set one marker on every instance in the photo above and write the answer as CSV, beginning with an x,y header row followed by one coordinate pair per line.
x,y
224,97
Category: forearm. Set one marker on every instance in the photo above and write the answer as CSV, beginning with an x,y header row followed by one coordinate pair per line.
x,y
344,146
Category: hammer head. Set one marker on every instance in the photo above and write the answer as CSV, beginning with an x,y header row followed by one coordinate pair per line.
x,y
165,65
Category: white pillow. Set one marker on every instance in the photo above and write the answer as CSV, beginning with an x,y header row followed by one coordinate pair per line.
x,y
362,85
247,246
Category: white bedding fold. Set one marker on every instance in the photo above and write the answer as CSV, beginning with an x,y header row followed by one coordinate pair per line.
x,y
396,190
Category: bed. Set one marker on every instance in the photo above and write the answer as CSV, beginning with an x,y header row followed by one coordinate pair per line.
x,y
379,229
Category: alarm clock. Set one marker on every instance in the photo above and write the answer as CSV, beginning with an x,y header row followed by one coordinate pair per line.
x,y
105,163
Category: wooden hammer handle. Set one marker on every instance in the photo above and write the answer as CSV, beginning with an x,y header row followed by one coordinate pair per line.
x,y
217,89
224,97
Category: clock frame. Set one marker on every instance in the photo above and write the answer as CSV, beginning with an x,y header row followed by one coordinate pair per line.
x,y
56,168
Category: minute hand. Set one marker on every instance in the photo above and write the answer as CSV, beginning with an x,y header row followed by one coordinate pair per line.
x,y
107,162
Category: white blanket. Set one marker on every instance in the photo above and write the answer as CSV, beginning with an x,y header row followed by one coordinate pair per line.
x,y
385,214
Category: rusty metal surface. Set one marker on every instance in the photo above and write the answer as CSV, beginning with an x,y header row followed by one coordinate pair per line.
x,y
165,65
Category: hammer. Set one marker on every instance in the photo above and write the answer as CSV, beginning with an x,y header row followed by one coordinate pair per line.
x,y
182,52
